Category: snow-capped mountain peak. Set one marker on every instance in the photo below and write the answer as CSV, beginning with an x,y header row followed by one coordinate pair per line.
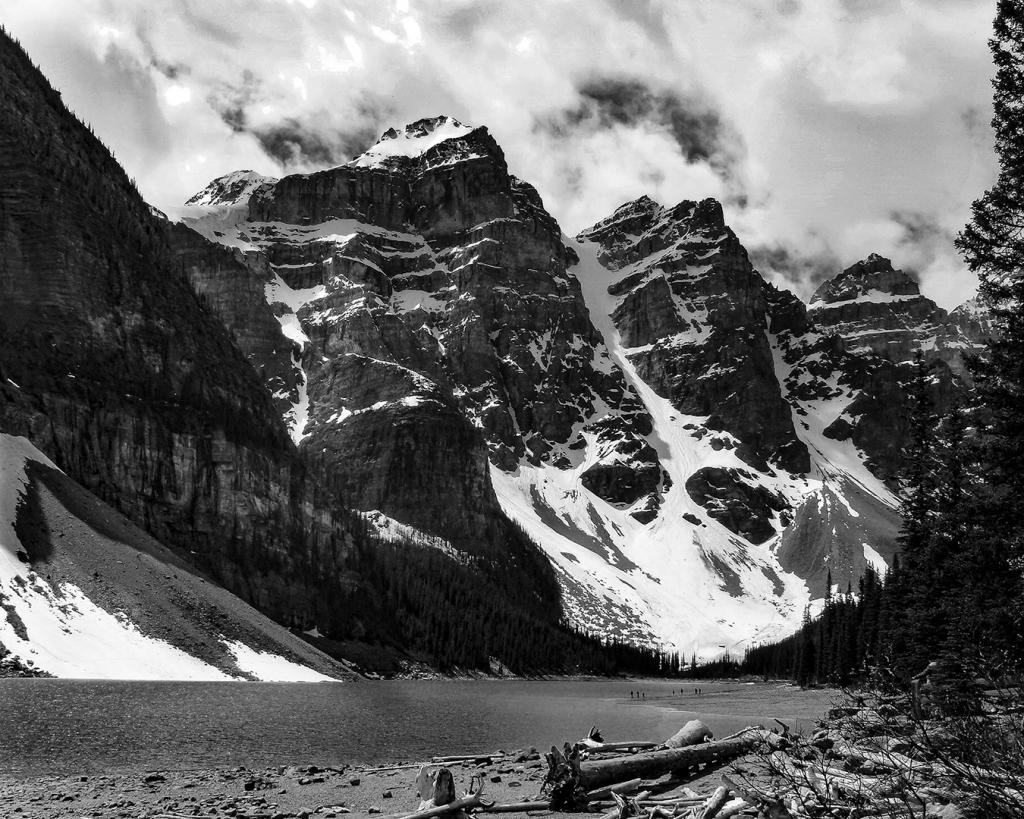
x,y
415,140
871,279
230,189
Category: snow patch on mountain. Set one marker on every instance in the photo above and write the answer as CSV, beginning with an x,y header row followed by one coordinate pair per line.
x,y
268,667
830,458
55,626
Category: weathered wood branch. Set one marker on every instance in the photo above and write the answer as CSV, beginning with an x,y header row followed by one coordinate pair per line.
x,y
715,803
517,807
619,787
467,802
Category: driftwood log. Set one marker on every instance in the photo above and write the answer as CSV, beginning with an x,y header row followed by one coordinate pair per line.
x,y
516,807
595,743
693,733
619,787
593,773
571,777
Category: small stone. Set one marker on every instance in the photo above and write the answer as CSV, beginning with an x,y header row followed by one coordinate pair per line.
x,y
496,778
373,809
354,782
386,795
515,784
152,778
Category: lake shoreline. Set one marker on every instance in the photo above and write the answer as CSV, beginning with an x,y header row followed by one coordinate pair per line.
x,y
280,792
85,748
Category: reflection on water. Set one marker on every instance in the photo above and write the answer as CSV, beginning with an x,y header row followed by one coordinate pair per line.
x,y
75,726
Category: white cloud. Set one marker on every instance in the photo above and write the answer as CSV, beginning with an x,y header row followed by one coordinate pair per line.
x,y
850,126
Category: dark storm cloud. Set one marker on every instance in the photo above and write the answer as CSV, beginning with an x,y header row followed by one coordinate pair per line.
x,y
606,102
650,16
791,268
920,228
295,143
311,140
464,21
231,100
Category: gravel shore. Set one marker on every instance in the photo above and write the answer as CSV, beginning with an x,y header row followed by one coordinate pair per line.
x,y
272,793
288,792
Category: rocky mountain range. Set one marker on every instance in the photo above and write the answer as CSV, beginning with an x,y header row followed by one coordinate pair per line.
x,y
407,349
694,449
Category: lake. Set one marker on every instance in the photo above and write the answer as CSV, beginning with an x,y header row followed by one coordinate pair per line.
x,y
82,727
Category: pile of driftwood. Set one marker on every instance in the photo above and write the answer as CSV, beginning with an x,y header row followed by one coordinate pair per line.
x,y
881,759
616,779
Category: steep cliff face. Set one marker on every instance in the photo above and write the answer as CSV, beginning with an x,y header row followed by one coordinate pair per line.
x,y
112,367
427,288
691,311
864,328
873,308
85,593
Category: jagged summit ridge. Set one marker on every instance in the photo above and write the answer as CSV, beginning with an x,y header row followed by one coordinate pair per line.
x,y
873,278
691,311
873,307
433,141
642,226
230,189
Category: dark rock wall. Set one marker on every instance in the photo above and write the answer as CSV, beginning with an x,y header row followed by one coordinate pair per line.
x,y
696,307
121,376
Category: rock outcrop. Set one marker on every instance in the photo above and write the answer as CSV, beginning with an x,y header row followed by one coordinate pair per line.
x,y
873,308
428,290
115,370
692,314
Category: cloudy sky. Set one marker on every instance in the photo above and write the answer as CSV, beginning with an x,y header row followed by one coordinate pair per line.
x,y
829,128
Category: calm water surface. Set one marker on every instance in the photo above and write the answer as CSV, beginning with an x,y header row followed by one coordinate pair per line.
x,y
76,726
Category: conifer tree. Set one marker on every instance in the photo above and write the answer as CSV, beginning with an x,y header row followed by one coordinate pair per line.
x,y
917,494
993,246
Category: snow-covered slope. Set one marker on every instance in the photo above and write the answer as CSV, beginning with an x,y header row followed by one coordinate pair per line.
x,y
83,593
683,579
